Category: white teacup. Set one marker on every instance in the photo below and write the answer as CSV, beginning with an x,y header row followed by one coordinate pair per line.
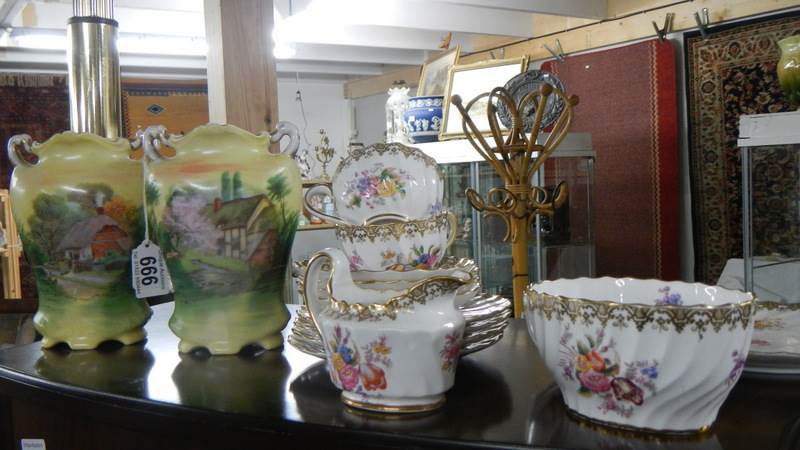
x,y
398,245
381,181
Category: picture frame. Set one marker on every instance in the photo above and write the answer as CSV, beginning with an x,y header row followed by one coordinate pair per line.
x,y
469,81
435,72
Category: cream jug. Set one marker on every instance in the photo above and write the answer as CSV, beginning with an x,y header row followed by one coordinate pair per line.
x,y
392,351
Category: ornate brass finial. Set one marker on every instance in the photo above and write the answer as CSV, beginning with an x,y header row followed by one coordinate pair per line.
x,y
516,156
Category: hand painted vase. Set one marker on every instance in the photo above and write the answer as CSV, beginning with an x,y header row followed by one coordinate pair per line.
x,y
390,351
77,202
789,68
423,118
226,211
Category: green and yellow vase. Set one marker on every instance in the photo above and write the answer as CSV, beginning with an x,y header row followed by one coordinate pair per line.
x,y
226,211
789,68
76,199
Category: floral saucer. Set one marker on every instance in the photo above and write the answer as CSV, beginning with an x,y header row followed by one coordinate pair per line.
x,y
775,348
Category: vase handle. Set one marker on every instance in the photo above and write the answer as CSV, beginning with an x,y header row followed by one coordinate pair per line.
x,y
151,140
317,189
19,151
286,129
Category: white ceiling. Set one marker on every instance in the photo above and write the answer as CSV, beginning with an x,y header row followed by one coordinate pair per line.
x,y
343,38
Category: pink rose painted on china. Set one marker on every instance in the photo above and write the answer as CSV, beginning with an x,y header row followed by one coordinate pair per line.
x,y
595,364
357,369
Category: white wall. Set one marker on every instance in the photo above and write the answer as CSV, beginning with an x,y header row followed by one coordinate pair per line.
x,y
325,107
370,118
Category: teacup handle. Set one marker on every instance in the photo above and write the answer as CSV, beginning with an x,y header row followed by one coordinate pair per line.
x,y
316,190
453,221
340,271
286,129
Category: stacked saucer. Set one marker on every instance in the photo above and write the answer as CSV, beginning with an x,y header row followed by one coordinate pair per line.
x,y
486,315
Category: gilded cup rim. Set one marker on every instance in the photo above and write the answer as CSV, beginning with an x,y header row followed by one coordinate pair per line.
x,y
433,218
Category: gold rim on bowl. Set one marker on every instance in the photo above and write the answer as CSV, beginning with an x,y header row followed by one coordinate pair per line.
x,y
695,317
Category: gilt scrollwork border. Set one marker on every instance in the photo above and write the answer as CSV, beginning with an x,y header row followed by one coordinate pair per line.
x,y
695,318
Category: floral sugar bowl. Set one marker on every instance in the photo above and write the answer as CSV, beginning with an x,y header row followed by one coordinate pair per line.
x,y
641,354
388,351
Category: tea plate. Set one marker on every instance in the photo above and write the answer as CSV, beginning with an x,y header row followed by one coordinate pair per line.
x,y
775,348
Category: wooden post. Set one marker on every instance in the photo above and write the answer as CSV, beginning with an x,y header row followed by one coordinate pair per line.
x,y
242,82
519,261
10,252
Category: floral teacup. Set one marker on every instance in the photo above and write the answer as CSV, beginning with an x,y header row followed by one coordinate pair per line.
x,y
388,351
382,181
398,245
645,354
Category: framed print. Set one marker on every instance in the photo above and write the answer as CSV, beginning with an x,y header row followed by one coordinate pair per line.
x,y
469,81
433,80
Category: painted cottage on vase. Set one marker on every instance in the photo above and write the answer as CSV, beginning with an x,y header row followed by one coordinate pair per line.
x,y
245,226
90,242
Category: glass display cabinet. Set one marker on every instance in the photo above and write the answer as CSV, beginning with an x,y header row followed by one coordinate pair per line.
x,y
770,145
562,245
770,267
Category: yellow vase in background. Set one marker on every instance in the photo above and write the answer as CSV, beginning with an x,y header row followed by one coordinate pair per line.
x,y
789,68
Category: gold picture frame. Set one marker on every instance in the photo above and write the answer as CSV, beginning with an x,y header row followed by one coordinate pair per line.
x,y
435,72
471,80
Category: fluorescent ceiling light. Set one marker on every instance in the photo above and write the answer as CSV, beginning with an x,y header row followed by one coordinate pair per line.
x,y
127,43
283,49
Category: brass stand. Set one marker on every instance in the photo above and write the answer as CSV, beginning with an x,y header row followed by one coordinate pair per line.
x,y
324,154
516,158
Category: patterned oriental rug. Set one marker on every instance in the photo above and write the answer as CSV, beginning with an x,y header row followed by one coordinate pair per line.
x,y
628,102
179,107
729,74
39,106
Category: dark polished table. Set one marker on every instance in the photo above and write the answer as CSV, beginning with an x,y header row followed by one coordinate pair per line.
x,y
148,396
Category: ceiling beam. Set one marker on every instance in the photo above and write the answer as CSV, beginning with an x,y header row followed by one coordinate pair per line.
x,y
293,30
364,87
343,53
15,58
418,15
9,10
289,67
588,9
